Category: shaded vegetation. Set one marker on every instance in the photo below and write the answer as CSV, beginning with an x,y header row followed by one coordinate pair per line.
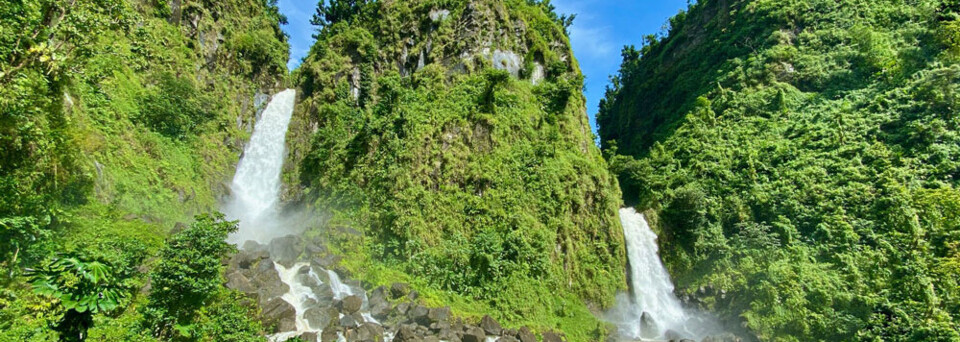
x,y
803,158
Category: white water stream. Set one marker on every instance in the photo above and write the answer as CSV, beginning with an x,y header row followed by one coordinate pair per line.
x,y
255,194
255,188
652,291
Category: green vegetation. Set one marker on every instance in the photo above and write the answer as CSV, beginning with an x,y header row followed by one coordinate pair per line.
x,y
802,157
118,119
188,301
464,175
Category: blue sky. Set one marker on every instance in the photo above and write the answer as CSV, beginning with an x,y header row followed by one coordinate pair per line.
x,y
601,29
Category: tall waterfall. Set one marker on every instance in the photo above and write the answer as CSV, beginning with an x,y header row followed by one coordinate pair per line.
x,y
256,184
651,310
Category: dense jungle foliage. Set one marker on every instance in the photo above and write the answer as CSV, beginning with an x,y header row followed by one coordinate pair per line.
x,y
118,119
449,141
803,159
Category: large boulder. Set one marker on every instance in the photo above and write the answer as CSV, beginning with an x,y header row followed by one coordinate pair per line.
x,y
379,307
406,333
648,326
237,281
349,321
525,335
490,326
398,290
281,314
474,334
351,304
320,316
285,250
267,281
418,314
309,336
550,336
439,314
369,332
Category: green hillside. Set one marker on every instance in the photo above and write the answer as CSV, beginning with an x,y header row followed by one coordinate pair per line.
x,y
452,137
802,160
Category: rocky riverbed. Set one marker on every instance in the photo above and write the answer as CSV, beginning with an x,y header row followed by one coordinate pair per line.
x,y
326,305
304,293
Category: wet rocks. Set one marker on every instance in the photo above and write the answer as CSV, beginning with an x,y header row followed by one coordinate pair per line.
x,y
398,290
648,326
309,337
285,250
474,334
490,326
351,304
320,316
281,314
525,335
550,336
406,334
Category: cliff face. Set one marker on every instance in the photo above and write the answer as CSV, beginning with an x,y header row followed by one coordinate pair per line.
x,y
453,136
802,157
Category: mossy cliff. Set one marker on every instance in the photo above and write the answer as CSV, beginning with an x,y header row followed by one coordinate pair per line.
x,y
451,138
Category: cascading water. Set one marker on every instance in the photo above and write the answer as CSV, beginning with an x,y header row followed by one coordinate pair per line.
x,y
256,184
255,195
651,310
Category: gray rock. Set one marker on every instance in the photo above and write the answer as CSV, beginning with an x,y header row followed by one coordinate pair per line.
x,y
309,337
431,339
348,321
525,335
474,334
377,303
406,334
351,305
327,262
507,339
648,326
280,313
369,332
490,326
239,282
285,250
398,290
419,314
550,336
329,334
320,316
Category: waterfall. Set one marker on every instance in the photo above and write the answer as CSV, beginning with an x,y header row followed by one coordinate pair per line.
x,y
651,310
255,194
256,185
